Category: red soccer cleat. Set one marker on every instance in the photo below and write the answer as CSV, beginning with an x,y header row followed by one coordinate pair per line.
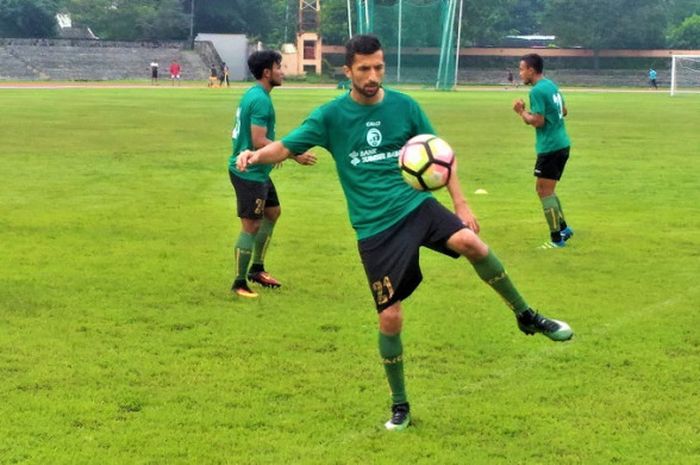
x,y
264,279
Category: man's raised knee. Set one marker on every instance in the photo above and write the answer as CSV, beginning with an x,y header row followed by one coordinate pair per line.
x,y
391,319
467,243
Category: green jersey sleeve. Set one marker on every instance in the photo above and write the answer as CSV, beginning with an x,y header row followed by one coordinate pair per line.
x,y
311,133
421,121
260,112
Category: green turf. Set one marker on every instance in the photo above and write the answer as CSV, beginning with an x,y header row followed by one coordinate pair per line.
x,y
120,343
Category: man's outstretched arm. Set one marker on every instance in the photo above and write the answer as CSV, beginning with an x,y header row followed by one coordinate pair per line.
x,y
268,155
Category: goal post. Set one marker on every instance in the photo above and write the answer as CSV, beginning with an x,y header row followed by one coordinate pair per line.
x,y
685,73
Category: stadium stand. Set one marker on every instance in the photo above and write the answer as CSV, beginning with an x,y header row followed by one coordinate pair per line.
x,y
96,60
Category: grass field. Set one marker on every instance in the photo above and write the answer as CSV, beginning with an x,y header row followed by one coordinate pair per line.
x,y
121,344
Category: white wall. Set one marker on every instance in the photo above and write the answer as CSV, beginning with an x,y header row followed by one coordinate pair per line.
x,y
233,49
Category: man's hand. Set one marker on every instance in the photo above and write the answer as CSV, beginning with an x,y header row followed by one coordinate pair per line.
x,y
519,106
465,214
306,158
244,160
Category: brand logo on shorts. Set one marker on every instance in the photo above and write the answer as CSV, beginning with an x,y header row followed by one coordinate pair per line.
x,y
374,137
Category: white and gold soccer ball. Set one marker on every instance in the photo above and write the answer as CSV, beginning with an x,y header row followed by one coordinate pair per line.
x,y
426,162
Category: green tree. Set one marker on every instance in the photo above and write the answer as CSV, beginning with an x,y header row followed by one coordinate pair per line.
x,y
678,10
486,22
28,18
334,21
687,34
525,17
600,24
260,21
131,19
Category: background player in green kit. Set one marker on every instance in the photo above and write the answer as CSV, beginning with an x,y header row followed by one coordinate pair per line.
x,y
364,130
258,205
547,112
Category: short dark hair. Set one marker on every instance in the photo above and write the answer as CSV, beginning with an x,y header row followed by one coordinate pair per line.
x,y
258,62
534,61
362,45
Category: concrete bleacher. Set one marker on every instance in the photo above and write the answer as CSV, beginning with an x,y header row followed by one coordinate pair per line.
x,y
13,68
74,60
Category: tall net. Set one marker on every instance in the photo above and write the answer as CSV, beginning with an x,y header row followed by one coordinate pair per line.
x,y
685,74
419,38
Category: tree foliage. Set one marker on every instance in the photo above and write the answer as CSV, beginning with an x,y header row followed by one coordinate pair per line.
x,y
679,10
525,17
131,19
334,21
28,18
600,24
259,20
687,34
589,23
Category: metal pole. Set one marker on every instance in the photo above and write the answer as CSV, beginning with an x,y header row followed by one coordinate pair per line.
x,y
367,16
447,28
349,20
286,21
192,24
459,37
398,49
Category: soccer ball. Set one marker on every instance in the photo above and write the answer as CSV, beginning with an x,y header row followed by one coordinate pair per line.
x,y
426,162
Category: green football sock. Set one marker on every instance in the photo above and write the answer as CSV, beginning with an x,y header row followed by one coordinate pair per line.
x,y
552,212
494,274
262,241
562,220
561,210
244,248
391,351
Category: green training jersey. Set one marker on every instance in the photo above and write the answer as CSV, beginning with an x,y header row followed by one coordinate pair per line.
x,y
256,109
546,100
364,141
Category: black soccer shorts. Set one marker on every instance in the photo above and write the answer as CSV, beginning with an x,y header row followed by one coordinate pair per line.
x,y
550,165
253,197
391,257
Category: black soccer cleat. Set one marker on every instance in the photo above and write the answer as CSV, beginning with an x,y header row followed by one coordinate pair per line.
x,y
531,322
400,417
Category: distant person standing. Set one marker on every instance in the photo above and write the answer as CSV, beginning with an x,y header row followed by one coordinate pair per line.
x,y
175,69
547,112
224,75
652,78
213,76
510,78
154,72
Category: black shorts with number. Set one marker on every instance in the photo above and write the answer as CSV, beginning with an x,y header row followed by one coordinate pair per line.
x,y
550,165
391,258
252,197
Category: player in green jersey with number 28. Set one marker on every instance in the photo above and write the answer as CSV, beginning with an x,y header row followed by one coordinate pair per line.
x,y
256,197
364,130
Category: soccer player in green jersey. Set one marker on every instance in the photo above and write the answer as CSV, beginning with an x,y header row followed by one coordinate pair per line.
x,y
547,112
258,205
364,130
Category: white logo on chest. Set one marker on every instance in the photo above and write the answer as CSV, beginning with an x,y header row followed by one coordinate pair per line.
x,y
374,137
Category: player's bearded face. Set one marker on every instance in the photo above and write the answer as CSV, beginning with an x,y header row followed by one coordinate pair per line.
x,y
367,73
277,75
